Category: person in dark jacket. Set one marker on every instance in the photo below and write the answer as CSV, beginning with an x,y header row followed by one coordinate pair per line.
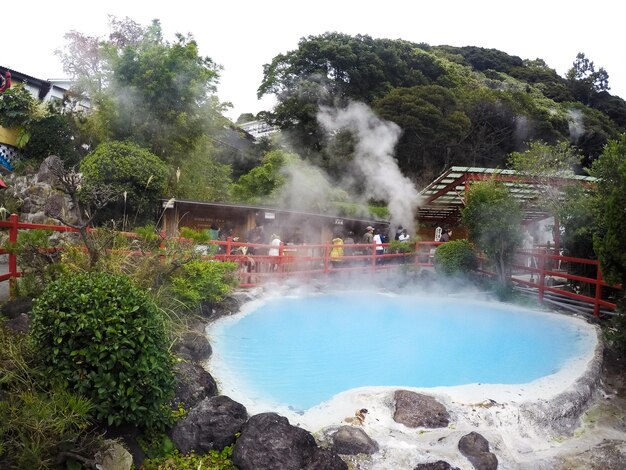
x,y
446,235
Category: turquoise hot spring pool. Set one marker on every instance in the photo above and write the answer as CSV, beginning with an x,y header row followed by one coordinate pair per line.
x,y
300,351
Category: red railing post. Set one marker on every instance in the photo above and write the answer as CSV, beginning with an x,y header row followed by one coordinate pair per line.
x,y
326,256
373,255
598,296
13,220
228,243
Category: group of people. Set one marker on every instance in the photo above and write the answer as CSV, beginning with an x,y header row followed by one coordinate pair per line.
x,y
372,236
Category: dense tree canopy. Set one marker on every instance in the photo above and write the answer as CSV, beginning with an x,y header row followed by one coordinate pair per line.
x,y
455,105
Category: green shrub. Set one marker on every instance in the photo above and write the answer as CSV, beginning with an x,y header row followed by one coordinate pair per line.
x,y
455,257
214,460
204,281
103,338
396,246
197,236
17,107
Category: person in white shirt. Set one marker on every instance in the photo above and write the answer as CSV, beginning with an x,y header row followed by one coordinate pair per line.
x,y
274,250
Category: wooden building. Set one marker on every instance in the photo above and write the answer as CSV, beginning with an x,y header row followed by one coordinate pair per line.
x,y
293,227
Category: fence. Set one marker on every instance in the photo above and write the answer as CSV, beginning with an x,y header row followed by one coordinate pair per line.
x,y
553,277
307,261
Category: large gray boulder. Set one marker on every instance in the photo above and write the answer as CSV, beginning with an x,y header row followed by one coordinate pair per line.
x,y
210,425
193,346
19,324
268,441
192,384
349,440
476,448
13,308
419,411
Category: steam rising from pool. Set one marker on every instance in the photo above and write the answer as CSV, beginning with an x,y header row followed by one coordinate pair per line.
x,y
299,352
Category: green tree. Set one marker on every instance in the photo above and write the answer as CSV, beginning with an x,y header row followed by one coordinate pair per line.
x,y
584,80
334,68
432,123
53,134
576,218
610,200
486,59
158,94
202,177
137,177
548,167
258,184
609,240
493,219
537,73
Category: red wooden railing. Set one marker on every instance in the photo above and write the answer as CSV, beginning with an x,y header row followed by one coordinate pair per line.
x,y
308,261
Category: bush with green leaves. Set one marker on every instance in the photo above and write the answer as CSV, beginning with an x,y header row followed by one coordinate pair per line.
x,y
102,337
396,246
204,281
214,459
17,110
137,176
455,257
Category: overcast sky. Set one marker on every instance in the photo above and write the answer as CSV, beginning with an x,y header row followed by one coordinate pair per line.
x,y
243,35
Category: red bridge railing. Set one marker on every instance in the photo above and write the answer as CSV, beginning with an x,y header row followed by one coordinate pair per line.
x,y
539,269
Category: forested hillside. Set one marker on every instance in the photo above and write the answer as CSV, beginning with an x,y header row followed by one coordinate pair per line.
x,y
454,105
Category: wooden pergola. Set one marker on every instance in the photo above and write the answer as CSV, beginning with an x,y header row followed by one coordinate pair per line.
x,y
443,199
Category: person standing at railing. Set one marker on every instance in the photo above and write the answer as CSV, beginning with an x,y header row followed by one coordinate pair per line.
x,y
336,254
368,236
255,236
378,239
274,250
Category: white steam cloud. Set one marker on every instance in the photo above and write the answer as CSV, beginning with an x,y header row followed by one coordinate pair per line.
x,y
576,124
307,187
376,140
